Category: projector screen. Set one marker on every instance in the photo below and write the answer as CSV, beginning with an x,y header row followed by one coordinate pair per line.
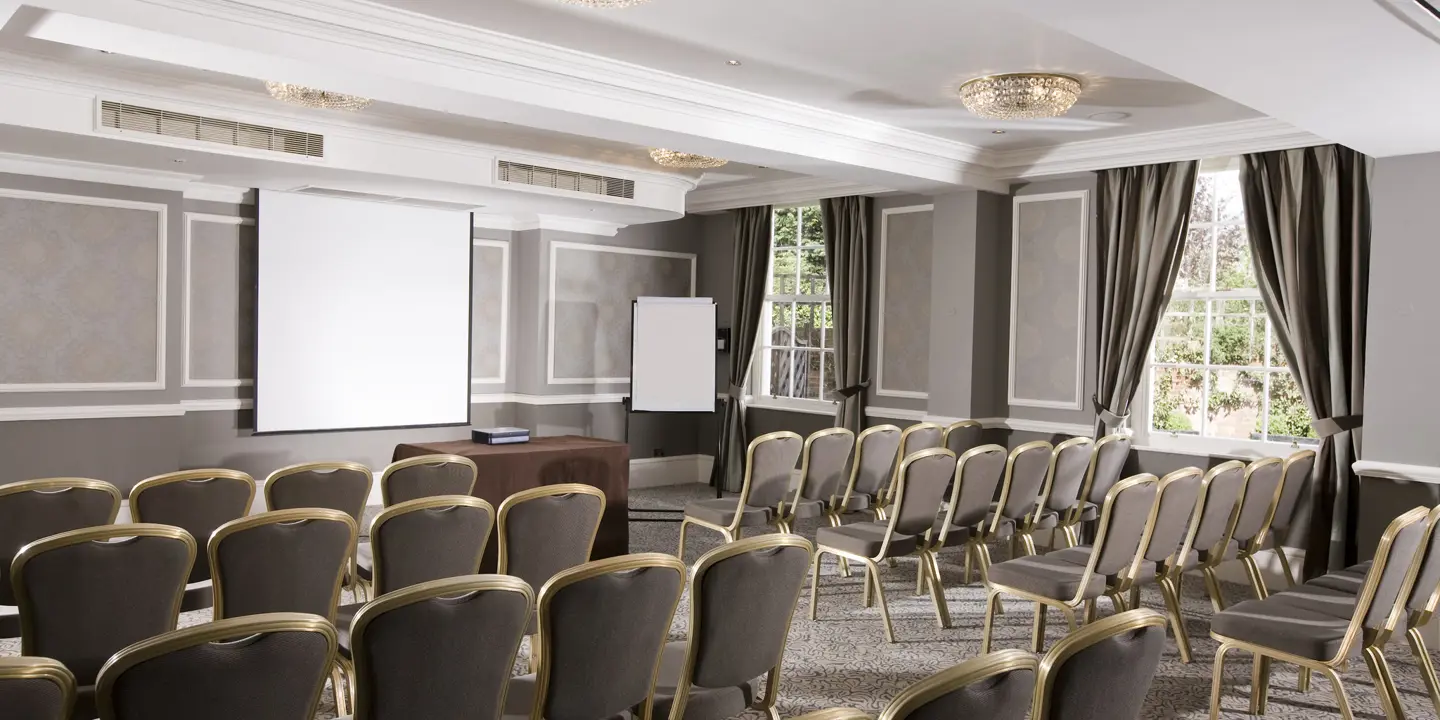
x,y
363,317
672,355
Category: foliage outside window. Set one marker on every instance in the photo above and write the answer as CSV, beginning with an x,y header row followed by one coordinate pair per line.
x,y
1216,370
796,354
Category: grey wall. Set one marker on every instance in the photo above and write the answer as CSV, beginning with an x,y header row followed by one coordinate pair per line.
x,y
901,257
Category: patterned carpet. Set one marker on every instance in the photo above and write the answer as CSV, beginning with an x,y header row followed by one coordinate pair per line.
x,y
842,659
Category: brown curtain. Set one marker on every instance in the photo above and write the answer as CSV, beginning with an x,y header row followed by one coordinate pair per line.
x,y
1144,212
847,265
752,265
1308,215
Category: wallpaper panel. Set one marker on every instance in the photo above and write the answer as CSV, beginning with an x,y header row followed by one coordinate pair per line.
x,y
79,292
222,301
906,302
1048,291
592,288
488,266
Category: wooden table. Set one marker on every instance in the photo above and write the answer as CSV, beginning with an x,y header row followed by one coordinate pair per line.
x,y
507,469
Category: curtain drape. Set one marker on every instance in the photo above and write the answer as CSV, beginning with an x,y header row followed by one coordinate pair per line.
x,y
1144,212
752,264
847,265
1308,216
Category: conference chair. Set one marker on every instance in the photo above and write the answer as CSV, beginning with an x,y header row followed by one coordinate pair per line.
x,y
35,688
1054,580
1320,629
1257,505
1225,484
86,594
1294,480
998,686
875,449
919,491
917,437
977,476
1107,462
822,472
343,486
200,501
263,666
963,436
33,509
769,468
835,714
1069,464
742,598
291,561
602,627
1103,670
426,476
439,649
1026,472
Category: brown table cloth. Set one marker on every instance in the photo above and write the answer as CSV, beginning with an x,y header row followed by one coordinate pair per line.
x,y
507,469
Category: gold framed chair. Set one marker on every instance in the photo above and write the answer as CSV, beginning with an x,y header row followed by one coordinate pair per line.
x,y
1026,472
36,688
836,714
769,469
962,436
875,449
1107,464
1305,626
1060,499
1103,670
336,485
1054,580
290,561
919,492
1263,484
977,476
262,666
1293,481
200,501
822,471
427,476
754,585
997,686
1220,507
917,437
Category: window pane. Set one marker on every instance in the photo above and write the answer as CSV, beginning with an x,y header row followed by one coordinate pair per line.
x,y
1195,265
1234,410
782,273
829,318
1203,209
1175,399
812,272
1233,269
1289,415
807,324
1180,338
782,375
830,383
809,385
785,227
812,227
1277,355
782,324
1237,333
1229,207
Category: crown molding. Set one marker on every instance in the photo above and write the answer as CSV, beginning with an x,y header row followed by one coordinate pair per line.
x,y
773,192
519,223
1397,471
220,193
95,172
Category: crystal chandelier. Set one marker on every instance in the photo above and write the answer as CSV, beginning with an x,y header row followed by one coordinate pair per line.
x,y
315,97
674,159
1017,96
606,4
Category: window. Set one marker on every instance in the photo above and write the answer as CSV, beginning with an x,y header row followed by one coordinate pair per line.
x,y
795,360
1216,370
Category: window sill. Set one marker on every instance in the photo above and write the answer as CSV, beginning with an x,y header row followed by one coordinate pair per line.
x,y
1216,447
810,407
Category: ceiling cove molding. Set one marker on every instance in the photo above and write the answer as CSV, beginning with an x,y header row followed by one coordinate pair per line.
x,y
220,193
95,172
522,222
1397,471
773,192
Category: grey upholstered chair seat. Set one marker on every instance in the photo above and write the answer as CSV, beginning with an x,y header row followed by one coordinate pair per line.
x,y
858,502
1090,512
957,534
1278,623
1047,575
1349,580
721,511
1004,528
365,560
9,621
1316,598
704,703
808,508
1080,554
198,596
344,616
864,539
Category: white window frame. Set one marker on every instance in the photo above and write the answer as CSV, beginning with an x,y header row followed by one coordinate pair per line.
x,y
757,386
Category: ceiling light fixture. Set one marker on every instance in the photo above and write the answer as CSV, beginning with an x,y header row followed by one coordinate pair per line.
x,y
315,97
606,4
733,63
675,159
997,132
1019,96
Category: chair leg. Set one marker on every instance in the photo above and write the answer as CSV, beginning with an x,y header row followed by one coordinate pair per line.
x,y
991,604
1257,581
1303,684
1427,667
1135,597
969,554
1259,684
982,559
874,573
684,526
1037,632
1117,603
922,574
1219,675
937,591
1091,611
337,681
1177,622
865,594
1212,586
815,583
1285,565
1342,701
1027,543
1384,683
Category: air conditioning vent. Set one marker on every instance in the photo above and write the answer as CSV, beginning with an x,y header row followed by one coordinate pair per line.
x,y
390,199
567,180
153,121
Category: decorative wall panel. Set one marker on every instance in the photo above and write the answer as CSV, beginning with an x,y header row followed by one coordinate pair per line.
x,y
903,359
1047,300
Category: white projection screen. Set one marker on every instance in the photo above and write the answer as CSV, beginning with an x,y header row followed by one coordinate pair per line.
x,y
363,317
672,355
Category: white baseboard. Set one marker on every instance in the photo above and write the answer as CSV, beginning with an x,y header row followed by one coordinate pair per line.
x,y
673,470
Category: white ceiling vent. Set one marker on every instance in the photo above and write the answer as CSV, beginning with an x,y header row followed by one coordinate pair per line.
x,y
567,180
377,197
166,123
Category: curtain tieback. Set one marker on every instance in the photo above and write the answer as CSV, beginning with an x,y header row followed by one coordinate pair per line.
x,y
736,392
846,393
1325,427
1105,414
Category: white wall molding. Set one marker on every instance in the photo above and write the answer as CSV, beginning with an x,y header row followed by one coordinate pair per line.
x,y
1040,426
185,310
670,470
1397,471
220,193
1015,275
790,191
89,412
880,388
504,247
890,413
522,222
162,212
523,399
217,405
94,172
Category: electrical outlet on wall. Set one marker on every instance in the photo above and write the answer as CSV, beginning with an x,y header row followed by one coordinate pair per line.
x,y
659,453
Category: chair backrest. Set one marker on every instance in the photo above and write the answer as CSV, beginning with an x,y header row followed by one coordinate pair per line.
x,y
924,477
1296,477
34,688
1025,473
343,486
1124,525
917,437
1069,463
427,476
428,539
1425,592
1106,464
441,649
742,597
822,464
769,468
875,450
602,627
200,501
997,686
290,561
34,509
264,666
1392,573
977,475
1224,484
962,436
85,594
1173,515
1103,670
544,530
1258,500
